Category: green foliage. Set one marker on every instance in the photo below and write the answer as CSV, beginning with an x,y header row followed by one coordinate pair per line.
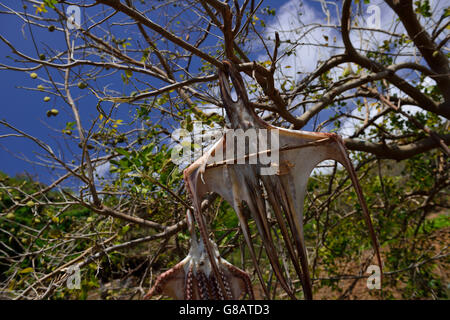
x,y
423,8
23,223
408,233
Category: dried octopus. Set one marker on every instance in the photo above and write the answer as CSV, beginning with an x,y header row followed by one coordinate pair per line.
x,y
248,190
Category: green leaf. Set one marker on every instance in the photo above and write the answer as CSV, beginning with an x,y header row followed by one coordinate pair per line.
x,y
51,3
122,152
125,229
70,125
145,54
26,270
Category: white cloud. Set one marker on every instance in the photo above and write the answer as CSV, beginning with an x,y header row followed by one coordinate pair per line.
x,y
210,109
102,173
296,22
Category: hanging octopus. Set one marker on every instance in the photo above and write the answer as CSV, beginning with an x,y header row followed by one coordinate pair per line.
x,y
244,183
193,279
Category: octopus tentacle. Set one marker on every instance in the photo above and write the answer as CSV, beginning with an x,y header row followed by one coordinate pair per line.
x,y
219,292
189,290
162,280
216,294
202,285
244,277
226,284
